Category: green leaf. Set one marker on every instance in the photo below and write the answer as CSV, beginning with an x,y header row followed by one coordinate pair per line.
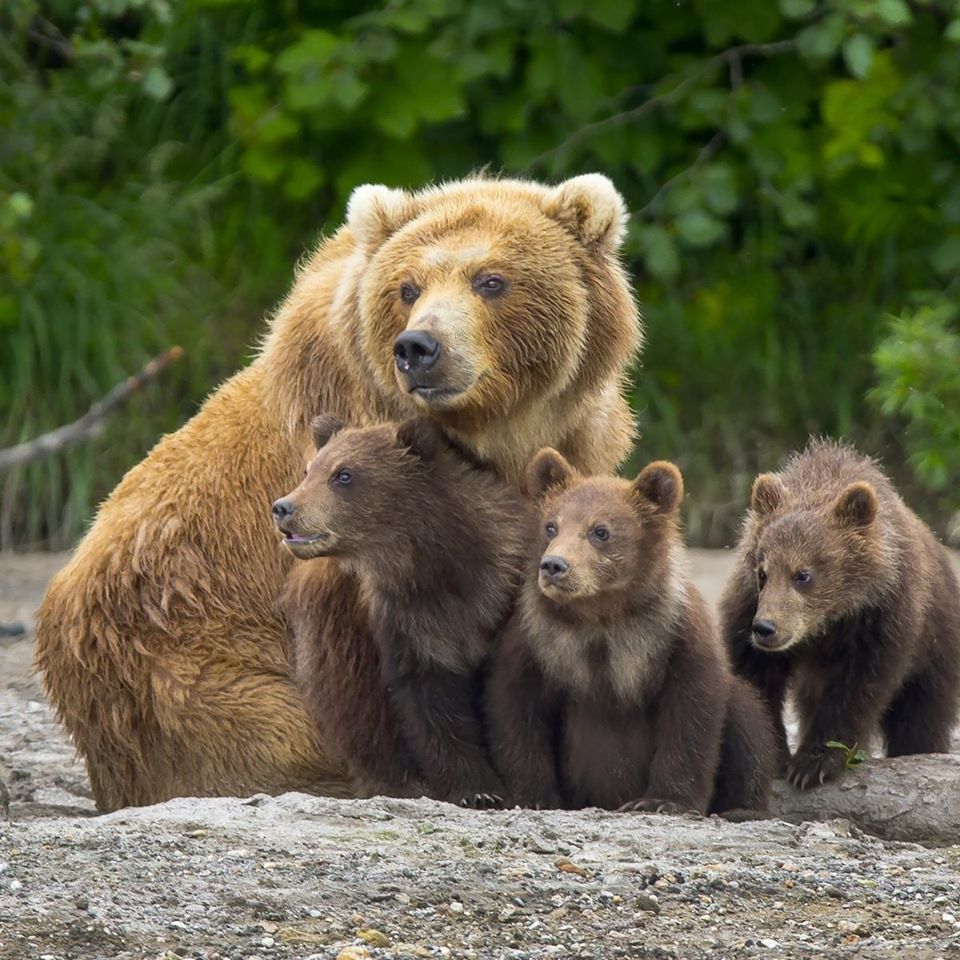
x,y
858,54
304,177
157,83
952,33
822,40
797,9
612,14
659,252
719,187
894,12
699,228
312,50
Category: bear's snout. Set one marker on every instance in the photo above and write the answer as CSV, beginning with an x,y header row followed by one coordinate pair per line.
x,y
553,568
764,632
415,351
283,509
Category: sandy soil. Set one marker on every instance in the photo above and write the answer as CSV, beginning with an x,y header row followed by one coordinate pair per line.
x,y
304,877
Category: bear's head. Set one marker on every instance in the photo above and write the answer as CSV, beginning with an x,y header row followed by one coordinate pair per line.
x,y
362,490
485,296
814,565
605,543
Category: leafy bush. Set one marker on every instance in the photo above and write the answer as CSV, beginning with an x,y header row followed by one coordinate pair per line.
x,y
793,168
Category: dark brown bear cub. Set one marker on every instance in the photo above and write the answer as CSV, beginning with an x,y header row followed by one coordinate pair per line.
x,y
842,593
436,546
609,686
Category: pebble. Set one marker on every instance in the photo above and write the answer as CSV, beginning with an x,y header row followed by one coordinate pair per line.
x,y
769,944
267,941
353,953
456,906
855,927
537,844
375,938
647,903
948,918
15,885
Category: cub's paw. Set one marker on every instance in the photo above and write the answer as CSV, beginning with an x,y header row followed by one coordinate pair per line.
x,y
482,801
658,806
813,768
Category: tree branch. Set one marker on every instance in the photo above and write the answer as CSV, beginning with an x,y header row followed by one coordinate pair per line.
x,y
91,423
731,56
702,157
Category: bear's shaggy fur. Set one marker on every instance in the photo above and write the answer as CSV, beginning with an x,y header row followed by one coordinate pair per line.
x,y
609,686
437,546
842,593
160,644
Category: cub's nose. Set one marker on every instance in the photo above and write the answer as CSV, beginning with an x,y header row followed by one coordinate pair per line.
x,y
764,630
282,509
554,567
415,351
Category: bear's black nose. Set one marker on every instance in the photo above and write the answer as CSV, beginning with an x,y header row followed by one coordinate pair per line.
x,y
764,629
554,567
415,351
282,509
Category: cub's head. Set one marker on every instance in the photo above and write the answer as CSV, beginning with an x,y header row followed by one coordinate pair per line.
x,y
602,538
813,565
480,295
362,490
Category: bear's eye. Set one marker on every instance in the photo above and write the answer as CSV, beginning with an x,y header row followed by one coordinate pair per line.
x,y
550,530
802,578
408,292
343,477
761,577
490,286
601,533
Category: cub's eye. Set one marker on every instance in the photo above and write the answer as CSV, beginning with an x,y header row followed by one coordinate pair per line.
x,y
550,530
802,577
490,286
761,577
408,292
343,477
600,533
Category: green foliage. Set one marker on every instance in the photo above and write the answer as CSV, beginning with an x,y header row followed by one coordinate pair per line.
x,y
852,756
918,369
793,168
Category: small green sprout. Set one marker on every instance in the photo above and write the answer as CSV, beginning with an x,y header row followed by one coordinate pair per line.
x,y
853,756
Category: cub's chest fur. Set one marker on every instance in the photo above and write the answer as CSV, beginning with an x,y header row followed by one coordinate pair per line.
x,y
628,658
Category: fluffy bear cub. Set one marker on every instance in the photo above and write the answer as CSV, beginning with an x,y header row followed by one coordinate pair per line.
x,y
436,545
844,595
609,686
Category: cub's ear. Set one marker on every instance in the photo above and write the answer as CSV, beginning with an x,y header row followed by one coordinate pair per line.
x,y
422,436
661,484
856,506
590,207
767,495
548,470
324,427
374,212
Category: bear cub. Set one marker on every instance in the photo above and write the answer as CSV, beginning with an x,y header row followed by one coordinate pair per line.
x,y
609,686
843,594
436,546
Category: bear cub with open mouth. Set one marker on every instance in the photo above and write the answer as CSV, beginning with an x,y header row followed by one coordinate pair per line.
x,y
609,686
437,545
843,593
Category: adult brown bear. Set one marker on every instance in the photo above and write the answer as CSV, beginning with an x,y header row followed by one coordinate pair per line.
x,y
499,307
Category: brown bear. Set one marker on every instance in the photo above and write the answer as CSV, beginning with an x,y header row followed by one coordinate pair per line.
x,y
437,546
609,686
497,307
842,593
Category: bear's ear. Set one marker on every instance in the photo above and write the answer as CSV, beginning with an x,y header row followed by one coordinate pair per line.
x,y
767,494
548,470
591,209
374,212
856,506
661,484
324,427
422,436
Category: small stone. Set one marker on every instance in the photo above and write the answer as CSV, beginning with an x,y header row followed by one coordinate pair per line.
x,y
410,950
831,891
538,844
647,903
15,885
854,928
267,941
507,913
375,938
948,918
456,906
769,944
353,953
313,912
566,866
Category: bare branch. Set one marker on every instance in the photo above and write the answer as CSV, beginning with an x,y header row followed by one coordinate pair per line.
x,y
675,93
91,423
702,157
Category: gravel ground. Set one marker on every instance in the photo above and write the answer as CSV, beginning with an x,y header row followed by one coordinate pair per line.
x,y
304,877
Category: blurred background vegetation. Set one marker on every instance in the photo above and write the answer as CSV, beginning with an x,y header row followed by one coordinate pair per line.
x,y
793,168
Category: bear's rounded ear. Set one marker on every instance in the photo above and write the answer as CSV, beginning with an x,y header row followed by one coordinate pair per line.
x,y
422,436
375,211
324,427
661,484
591,208
767,495
856,506
548,470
